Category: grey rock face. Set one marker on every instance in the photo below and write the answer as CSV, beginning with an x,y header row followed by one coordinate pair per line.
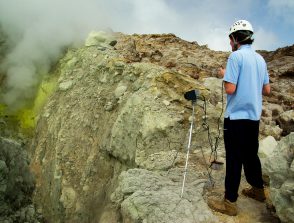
x,y
112,116
215,85
16,184
280,167
146,196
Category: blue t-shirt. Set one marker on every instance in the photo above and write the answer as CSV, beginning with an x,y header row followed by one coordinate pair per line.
x,y
248,71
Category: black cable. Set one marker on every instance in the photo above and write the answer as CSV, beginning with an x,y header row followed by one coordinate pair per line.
x,y
218,123
213,146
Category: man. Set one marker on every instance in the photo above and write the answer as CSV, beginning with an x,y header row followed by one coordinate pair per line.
x,y
245,80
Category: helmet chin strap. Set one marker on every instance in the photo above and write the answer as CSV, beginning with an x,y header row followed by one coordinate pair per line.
x,y
248,37
235,46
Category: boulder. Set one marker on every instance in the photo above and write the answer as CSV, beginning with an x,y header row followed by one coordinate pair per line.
x,y
111,117
286,122
267,146
275,109
99,38
280,168
270,130
145,196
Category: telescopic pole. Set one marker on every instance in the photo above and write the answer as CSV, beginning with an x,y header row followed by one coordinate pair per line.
x,y
189,145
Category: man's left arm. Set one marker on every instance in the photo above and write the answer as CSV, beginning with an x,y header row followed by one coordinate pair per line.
x,y
266,89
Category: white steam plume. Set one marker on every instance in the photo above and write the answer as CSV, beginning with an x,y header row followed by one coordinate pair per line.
x,y
36,32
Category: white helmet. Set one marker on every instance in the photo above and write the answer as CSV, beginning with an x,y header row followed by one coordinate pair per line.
x,y
241,25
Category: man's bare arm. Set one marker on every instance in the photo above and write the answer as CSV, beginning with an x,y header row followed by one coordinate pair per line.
x,y
266,90
229,87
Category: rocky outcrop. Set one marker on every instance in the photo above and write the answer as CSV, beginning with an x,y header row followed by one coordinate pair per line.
x,y
280,167
281,69
107,116
118,120
171,52
16,184
280,62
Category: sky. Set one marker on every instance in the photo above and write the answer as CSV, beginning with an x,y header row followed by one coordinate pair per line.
x,y
37,31
208,21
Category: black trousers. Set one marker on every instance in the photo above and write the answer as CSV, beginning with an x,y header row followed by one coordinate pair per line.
x,y
241,145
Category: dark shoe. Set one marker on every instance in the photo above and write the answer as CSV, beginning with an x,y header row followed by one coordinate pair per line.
x,y
223,206
255,193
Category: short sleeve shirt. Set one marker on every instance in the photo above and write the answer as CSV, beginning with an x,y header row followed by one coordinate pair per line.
x,y
248,71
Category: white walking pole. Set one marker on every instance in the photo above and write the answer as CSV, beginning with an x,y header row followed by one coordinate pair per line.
x,y
188,149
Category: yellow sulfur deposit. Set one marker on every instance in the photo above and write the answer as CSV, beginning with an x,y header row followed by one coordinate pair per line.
x,y
26,118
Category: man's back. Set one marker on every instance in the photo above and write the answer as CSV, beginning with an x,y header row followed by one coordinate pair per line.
x,y
247,70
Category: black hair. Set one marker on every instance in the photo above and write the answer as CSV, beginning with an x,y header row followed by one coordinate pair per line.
x,y
243,37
